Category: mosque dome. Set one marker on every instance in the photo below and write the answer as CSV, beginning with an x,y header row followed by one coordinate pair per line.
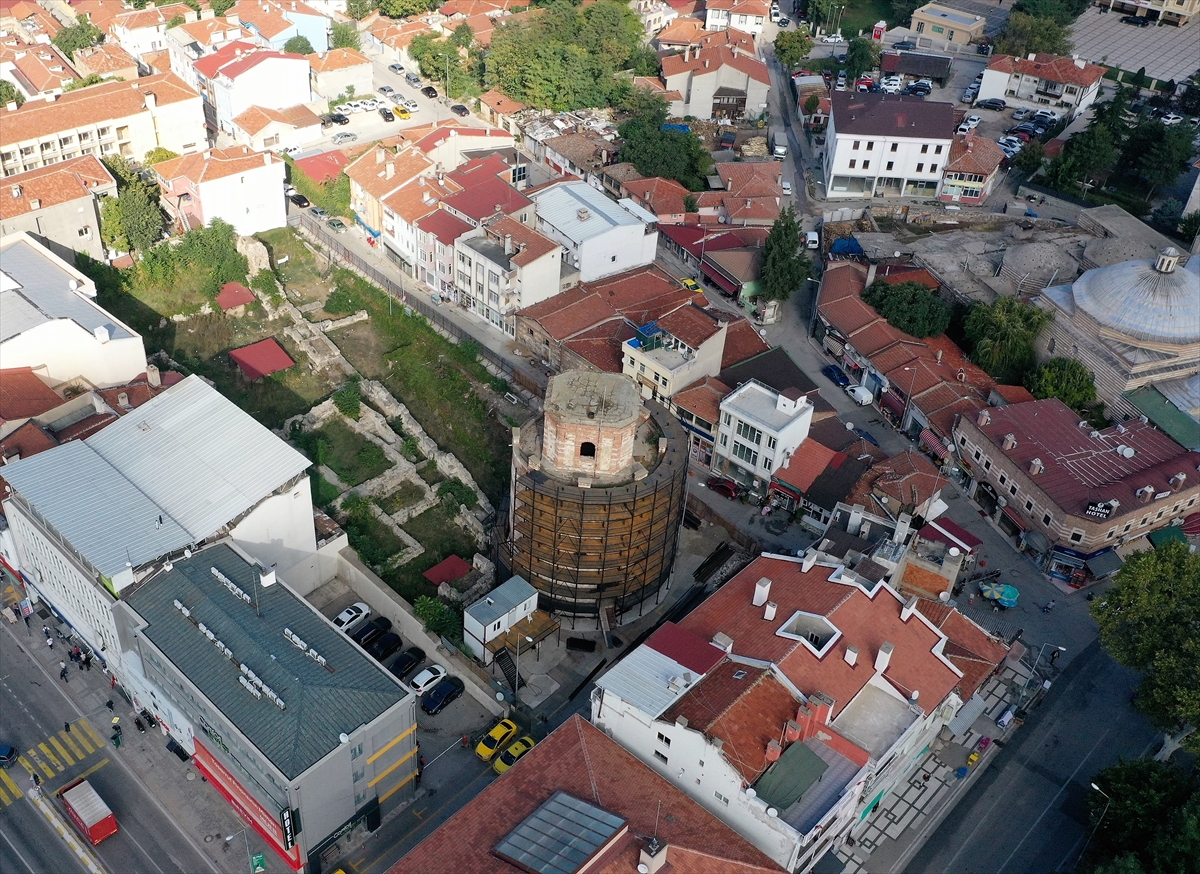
x,y
1156,301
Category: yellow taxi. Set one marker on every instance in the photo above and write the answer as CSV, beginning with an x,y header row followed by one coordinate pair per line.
x,y
690,285
502,732
509,757
401,113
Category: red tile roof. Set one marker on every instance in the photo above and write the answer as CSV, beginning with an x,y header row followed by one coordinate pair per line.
x,y
210,64
690,324
500,103
601,346
807,463
742,341
23,395
972,650
246,63
262,358
337,59
484,196
1079,467
325,166
694,653
444,225
973,154
710,60
1052,68
529,244
660,196
29,439
908,478
582,761
865,621
256,118
448,570
702,398
234,294
199,167
54,185
1014,394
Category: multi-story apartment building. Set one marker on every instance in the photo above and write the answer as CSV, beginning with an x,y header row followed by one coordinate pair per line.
x,y
274,80
748,16
59,205
674,351
1070,84
884,145
601,238
760,429
1071,493
502,266
274,23
237,185
114,118
723,81
145,30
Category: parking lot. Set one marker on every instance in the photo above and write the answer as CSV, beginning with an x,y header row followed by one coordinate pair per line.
x,y
1167,52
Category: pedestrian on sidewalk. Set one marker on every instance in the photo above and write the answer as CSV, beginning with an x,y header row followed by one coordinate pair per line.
x,y
87,661
50,642
109,705
1054,656
62,666
46,631
62,675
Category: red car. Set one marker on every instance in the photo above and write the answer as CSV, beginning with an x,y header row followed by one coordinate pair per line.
x,y
724,486
865,80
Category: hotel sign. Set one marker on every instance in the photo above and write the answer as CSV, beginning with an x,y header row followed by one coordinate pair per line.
x,y
1098,509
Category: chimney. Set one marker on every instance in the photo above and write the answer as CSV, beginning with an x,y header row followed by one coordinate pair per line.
x,y
266,577
762,590
769,611
851,655
681,721
722,641
939,356
1177,481
652,858
687,54
1080,63
11,106
1036,466
706,62
1010,442
122,399
152,376
1032,56
267,158
101,333
791,731
908,609
810,559
983,418
380,155
774,751
35,203
508,250
883,658
390,169
151,100
1145,494
871,273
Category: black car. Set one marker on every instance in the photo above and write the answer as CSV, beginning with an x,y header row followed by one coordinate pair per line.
x,y
385,646
429,91
993,103
906,46
386,114
338,118
407,662
460,110
841,59
1136,21
919,88
443,693
368,632
299,199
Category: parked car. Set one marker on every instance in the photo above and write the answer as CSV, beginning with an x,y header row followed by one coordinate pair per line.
x,y
906,45
300,200
412,79
1136,21
430,92
338,118
402,113
690,285
836,375
1171,118
1022,114
724,486
326,121
509,757
368,632
385,647
860,394
427,679
336,225
386,114
972,121
410,104
8,755
1047,115
460,110
970,94
407,662
396,68
833,38
890,87
993,103
787,188
355,613
441,695
1022,136
784,22
343,138
319,213
493,742
385,90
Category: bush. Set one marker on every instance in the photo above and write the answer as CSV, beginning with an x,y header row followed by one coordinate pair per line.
x,y
1065,379
438,618
910,307
343,300
348,400
332,196
455,493
211,251
265,281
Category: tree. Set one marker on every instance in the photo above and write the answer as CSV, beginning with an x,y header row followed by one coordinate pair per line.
x,y
690,204
1024,34
89,80
1189,226
1062,11
861,55
141,219
344,35
79,35
792,46
176,21
10,94
1001,335
220,7
1148,815
1166,215
1065,379
298,45
811,104
1167,156
1148,622
785,267
1029,159
902,10
359,9
463,36
671,154
403,8
650,107
910,307
157,155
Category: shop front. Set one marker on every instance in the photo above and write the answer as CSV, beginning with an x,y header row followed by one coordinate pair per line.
x,y
1011,523
986,498
1067,565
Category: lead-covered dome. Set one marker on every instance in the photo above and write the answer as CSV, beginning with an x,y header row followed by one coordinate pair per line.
x,y
1157,301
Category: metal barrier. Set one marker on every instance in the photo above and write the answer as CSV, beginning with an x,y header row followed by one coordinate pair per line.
x,y
348,258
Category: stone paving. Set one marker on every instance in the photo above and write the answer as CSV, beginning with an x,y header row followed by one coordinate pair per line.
x,y
1167,52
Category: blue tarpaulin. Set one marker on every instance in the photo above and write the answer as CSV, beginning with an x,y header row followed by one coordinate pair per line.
x,y
846,246
682,128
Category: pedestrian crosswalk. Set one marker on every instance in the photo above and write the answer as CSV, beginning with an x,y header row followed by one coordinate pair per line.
x,y
51,757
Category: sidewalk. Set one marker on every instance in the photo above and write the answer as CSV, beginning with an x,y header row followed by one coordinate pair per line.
x,y
204,817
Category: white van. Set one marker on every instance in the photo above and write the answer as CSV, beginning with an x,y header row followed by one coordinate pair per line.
x,y
812,240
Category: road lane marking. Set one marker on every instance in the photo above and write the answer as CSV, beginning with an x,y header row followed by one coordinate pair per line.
x,y
49,754
87,727
10,785
70,742
4,799
62,751
69,836
29,766
82,738
92,770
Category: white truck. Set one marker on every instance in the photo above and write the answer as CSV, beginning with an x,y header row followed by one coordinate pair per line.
x,y
779,143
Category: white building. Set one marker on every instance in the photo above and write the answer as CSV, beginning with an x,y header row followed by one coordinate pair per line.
x,y
794,699
1067,85
114,118
189,467
236,185
275,80
495,613
748,16
600,237
885,145
685,345
761,428
503,266
51,322
145,30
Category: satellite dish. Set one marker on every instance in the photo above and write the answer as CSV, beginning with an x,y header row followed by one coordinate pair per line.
x,y
849,426
772,812
953,551
344,738
751,793
943,597
896,254
762,332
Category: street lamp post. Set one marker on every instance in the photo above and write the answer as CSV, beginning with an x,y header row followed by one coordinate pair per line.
x,y
1033,671
908,398
517,685
246,837
1099,822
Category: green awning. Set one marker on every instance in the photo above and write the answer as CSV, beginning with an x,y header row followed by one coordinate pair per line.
x,y
1163,536
789,778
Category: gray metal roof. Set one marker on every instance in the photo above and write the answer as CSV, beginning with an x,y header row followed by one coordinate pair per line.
x,y
36,289
95,507
500,600
321,701
643,679
559,206
189,456
560,837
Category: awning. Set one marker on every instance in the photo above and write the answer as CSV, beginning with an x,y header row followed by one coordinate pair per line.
x,y
1104,564
947,532
1163,536
1016,518
791,491
1191,525
935,444
833,344
966,716
715,275
891,402
366,227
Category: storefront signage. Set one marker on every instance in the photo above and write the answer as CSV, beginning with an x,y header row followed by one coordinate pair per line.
x,y
289,831
1098,509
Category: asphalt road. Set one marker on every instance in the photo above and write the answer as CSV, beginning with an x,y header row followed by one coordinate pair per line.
x,y
1028,812
33,710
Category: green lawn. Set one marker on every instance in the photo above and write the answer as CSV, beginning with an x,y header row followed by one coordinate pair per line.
x,y
348,454
435,530
864,14
430,473
324,492
406,495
